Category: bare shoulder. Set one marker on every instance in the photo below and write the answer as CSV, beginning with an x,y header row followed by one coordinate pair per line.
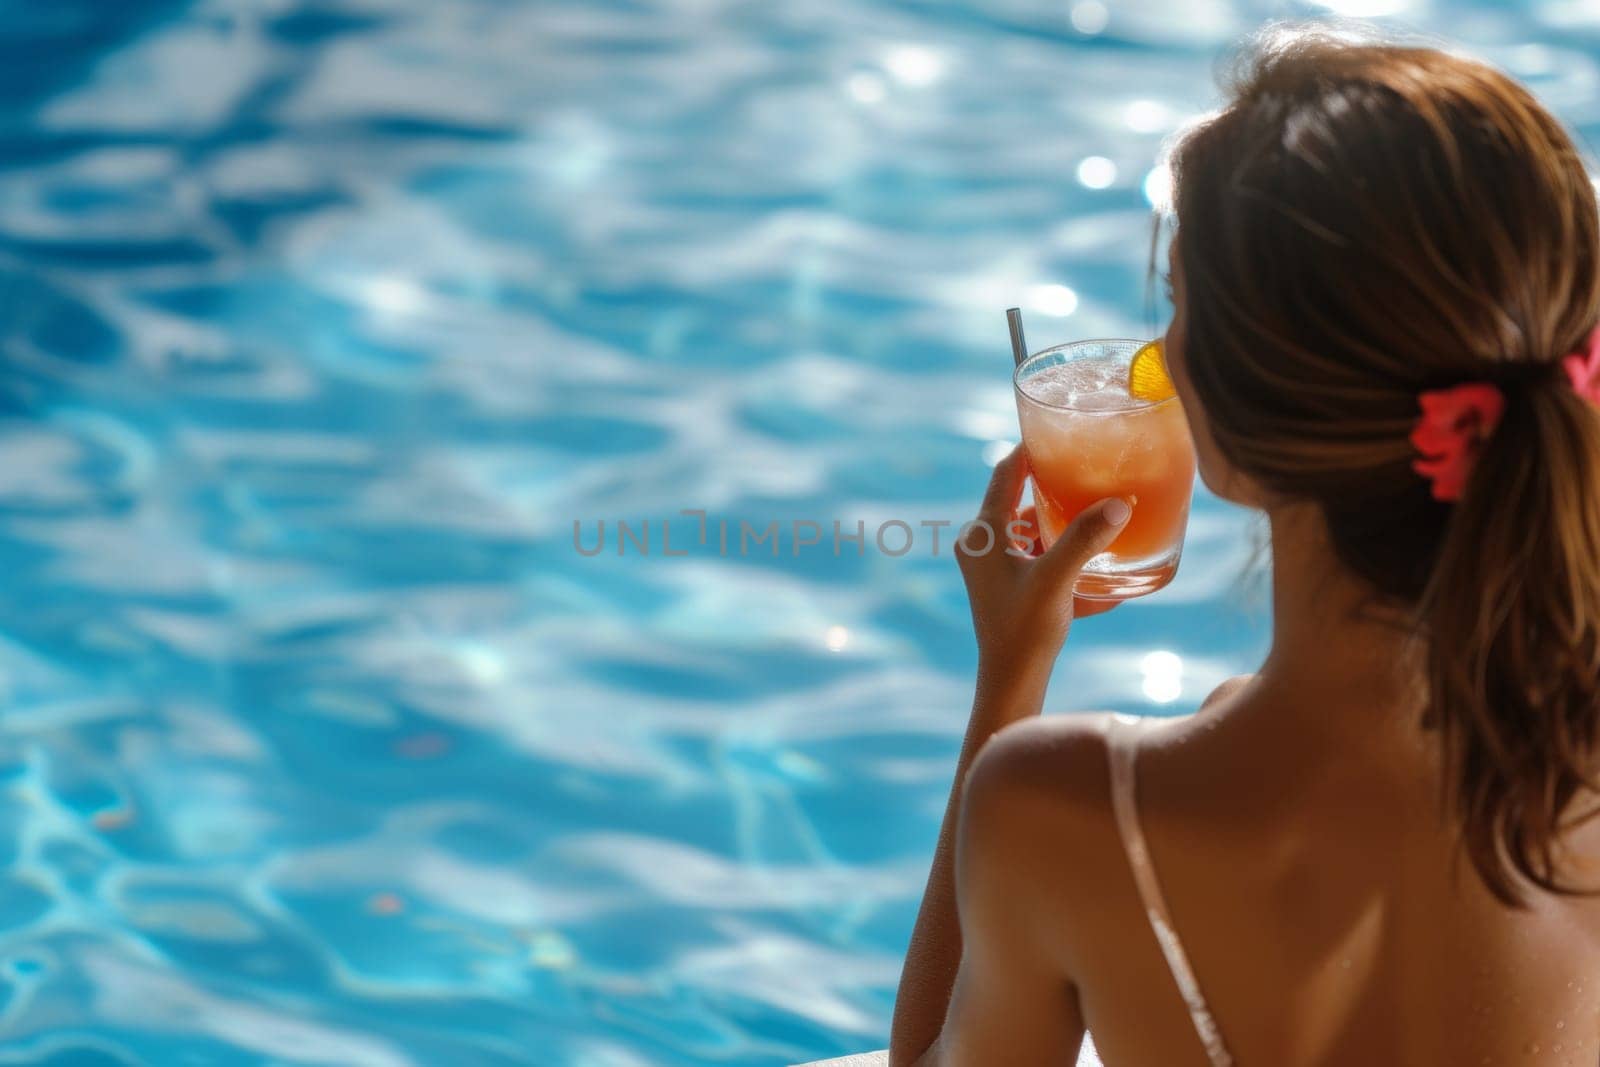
x,y
1037,786
1225,690
1054,759
1037,834
1060,760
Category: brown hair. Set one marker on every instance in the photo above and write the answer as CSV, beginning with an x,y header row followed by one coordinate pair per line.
x,y
1364,222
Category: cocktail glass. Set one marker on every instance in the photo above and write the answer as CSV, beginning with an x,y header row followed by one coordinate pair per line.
x,y
1087,438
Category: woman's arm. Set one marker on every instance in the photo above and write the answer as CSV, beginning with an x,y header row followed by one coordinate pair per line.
x,y
934,954
1021,610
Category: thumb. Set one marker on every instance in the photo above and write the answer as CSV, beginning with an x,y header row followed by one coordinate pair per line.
x,y
1086,537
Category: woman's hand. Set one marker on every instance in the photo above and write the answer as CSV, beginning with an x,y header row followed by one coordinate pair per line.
x,y
1023,605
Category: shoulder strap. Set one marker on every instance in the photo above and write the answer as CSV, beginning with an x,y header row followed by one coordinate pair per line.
x,y
1122,749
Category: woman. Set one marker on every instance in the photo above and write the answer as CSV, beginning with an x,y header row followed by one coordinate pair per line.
x,y
1377,850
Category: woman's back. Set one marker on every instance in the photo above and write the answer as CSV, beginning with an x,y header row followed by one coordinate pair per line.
x,y
1317,890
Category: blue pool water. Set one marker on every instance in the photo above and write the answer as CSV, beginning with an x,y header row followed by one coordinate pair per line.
x,y
324,321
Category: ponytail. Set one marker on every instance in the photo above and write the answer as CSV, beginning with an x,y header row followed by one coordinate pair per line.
x,y
1511,618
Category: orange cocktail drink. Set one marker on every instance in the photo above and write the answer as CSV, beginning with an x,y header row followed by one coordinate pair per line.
x,y
1089,436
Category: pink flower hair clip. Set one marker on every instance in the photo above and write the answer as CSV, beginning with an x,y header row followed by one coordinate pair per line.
x,y
1455,422
1583,369
1450,433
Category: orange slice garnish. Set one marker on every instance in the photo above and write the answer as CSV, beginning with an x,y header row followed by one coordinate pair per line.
x,y
1147,374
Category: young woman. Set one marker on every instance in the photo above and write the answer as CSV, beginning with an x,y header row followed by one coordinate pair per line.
x,y
1378,849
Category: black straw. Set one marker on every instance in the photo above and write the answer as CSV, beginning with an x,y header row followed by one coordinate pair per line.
x,y
1019,347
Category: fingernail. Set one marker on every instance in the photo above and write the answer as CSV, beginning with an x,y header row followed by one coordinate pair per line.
x,y
1117,511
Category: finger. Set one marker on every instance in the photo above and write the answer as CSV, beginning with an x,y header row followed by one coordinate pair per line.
x,y
1005,488
1086,537
1027,525
977,540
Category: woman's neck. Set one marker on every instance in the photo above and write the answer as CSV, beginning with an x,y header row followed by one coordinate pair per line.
x,y
1335,647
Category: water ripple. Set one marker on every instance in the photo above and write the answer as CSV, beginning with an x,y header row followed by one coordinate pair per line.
x,y
325,320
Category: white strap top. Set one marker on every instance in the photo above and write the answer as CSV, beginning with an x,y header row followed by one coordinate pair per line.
x,y
1122,749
